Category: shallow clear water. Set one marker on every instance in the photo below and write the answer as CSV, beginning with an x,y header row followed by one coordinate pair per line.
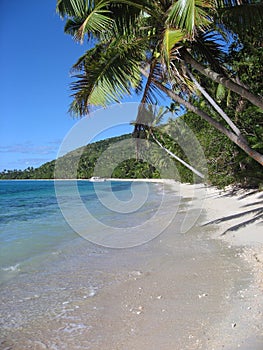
x,y
44,264
33,229
30,223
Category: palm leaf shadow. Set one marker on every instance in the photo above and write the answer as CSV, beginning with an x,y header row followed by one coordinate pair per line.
x,y
252,204
258,215
244,223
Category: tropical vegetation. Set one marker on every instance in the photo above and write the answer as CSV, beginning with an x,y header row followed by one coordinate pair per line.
x,y
204,55
150,46
87,158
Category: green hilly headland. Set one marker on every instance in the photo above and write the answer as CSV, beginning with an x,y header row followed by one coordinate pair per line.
x,y
122,157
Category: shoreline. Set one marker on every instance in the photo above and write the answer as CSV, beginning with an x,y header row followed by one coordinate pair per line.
x,y
200,289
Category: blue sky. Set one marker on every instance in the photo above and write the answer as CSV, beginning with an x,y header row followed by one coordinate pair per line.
x,y
35,61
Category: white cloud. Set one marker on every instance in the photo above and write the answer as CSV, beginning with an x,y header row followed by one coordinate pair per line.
x,y
30,148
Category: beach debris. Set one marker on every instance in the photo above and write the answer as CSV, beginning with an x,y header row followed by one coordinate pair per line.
x,y
137,311
92,292
202,295
135,274
140,290
159,297
233,325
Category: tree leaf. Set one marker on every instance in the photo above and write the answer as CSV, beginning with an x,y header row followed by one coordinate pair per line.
x,y
107,73
171,38
220,92
189,14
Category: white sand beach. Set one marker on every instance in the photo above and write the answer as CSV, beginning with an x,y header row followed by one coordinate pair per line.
x,y
235,218
238,218
228,314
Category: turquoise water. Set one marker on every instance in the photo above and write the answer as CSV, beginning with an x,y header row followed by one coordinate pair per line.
x,y
45,265
30,221
32,227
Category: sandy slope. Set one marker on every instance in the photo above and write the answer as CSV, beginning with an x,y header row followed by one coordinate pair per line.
x,y
235,217
238,217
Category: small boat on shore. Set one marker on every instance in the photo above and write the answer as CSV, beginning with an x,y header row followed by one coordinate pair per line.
x,y
97,179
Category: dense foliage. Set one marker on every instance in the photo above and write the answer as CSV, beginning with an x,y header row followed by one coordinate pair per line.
x,y
227,163
115,157
153,47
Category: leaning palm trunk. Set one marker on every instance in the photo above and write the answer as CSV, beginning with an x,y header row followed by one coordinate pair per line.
x,y
232,136
216,107
223,80
177,158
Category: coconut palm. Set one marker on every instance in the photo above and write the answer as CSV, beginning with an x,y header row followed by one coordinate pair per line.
x,y
145,38
164,23
152,117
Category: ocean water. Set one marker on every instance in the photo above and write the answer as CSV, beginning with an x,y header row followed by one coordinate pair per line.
x,y
33,228
45,264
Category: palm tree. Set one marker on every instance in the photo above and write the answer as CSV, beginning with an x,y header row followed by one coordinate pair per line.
x,y
152,116
146,38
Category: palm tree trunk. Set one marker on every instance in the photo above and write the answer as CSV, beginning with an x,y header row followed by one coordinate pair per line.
x,y
216,107
177,158
227,82
232,136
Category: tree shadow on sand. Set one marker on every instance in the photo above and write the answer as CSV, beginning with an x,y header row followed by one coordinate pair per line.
x,y
257,216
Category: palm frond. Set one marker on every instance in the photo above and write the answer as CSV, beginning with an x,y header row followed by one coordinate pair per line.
x,y
151,93
223,4
125,17
96,22
244,18
171,38
69,8
150,116
210,47
108,72
91,20
190,14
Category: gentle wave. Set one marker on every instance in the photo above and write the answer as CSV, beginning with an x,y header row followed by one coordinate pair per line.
x,y
11,268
